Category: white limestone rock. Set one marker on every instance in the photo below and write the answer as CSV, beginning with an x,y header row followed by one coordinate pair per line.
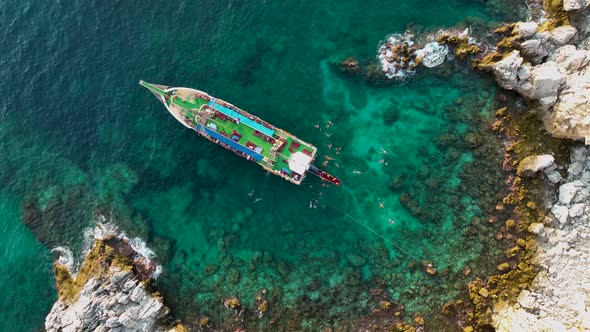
x,y
505,70
111,300
575,168
526,29
560,212
554,177
558,298
567,192
562,35
536,228
535,50
570,116
577,210
571,59
526,299
545,81
570,5
530,165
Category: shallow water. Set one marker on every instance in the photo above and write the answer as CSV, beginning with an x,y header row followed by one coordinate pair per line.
x,y
79,138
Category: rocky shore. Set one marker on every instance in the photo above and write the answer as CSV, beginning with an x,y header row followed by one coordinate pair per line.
x,y
557,298
547,62
110,292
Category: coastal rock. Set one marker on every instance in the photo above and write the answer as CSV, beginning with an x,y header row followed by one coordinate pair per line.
x,y
570,58
526,29
554,177
562,35
535,50
106,295
557,299
570,117
505,70
530,165
560,212
544,81
536,228
550,72
570,5
567,192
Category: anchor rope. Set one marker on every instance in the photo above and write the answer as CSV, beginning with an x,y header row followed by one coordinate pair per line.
x,y
362,224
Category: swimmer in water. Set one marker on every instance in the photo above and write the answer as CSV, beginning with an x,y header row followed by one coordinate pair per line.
x,y
381,205
391,221
383,150
356,171
330,146
258,199
252,193
317,126
325,163
328,135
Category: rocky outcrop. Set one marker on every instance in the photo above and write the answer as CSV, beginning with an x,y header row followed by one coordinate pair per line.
x,y
110,292
569,5
557,300
533,164
548,68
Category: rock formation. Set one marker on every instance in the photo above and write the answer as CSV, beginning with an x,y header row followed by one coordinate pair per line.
x,y
548,63
557,299
549,66
110,292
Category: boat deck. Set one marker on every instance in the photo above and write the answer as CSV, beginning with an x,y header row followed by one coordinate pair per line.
x,y
222,122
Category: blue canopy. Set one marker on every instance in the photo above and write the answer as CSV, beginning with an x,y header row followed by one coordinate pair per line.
x,y
243,119
235,145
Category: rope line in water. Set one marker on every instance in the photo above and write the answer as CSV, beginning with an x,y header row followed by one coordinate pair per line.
x,y
365,226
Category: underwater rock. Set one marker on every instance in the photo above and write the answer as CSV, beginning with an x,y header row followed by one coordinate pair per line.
x,y
232,303
530,165
355,260
503,267
349,65
107,293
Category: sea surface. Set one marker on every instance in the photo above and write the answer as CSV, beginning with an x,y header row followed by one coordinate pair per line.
x,y
82,142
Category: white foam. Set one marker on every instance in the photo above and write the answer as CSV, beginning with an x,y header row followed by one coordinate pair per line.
x,y
65,256
432,54
391,68
105,229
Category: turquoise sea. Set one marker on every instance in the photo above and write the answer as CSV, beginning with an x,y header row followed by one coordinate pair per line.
x,y
80,140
